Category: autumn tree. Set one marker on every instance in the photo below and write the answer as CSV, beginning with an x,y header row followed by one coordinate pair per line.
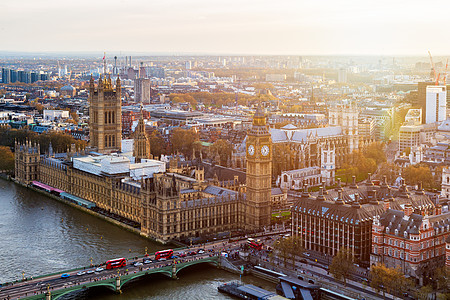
x,y
182,140
414,174
288,248
391,171
157,144
224,149
342,265
387,279
442,279
424,292
6,159
375,151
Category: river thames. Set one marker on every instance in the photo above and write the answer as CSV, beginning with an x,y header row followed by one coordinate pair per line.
x,y
40,235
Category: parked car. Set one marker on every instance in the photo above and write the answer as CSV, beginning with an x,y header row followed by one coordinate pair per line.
x,y
306,254
303,260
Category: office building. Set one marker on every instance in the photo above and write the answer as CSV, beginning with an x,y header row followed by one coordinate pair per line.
x,y
142,90
436,104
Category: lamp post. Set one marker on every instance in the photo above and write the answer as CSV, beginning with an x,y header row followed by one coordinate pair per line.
x,y
146,251
91,262
23,275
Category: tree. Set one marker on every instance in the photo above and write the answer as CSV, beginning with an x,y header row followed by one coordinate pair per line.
x,y
418,173
342,265
182,140
424,292
376,152
157,144
6,159
224,149
288,248
391,171
387,279
442,278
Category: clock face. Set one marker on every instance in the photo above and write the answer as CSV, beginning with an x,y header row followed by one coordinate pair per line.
x,y
265,150
251,150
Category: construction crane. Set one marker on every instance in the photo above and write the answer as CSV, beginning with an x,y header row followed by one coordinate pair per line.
x,y
436,78
445,72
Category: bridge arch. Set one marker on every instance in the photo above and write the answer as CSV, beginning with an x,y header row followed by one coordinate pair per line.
x,y
165,271
108,285
211,260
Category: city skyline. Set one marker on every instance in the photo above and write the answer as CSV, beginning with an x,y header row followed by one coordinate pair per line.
x,y
243,28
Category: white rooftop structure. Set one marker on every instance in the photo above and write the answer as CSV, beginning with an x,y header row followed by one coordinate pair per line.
x,y
115,164
290,133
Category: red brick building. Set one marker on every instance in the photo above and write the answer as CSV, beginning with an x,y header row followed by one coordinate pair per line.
x,y
128,117
415,243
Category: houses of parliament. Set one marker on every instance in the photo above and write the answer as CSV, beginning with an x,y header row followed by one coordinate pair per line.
x,y
166,201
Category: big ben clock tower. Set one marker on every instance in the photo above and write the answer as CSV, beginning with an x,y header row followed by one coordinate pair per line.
x,y
259,173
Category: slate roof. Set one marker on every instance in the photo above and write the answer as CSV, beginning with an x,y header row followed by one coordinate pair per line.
x,y
369,204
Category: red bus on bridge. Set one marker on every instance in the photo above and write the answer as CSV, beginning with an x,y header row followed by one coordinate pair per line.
x,y
116,263
255,244
167,254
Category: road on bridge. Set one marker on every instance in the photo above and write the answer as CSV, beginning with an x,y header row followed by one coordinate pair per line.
x,y
54,282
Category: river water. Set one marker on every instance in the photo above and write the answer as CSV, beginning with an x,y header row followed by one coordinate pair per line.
x,y
39,235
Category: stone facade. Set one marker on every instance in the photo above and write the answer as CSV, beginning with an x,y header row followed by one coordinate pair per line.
x,y
105,113
178,204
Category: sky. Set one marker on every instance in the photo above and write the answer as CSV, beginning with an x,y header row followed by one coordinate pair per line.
x,y
276,27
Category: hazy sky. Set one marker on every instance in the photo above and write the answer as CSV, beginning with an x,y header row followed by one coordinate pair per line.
x,y
235,26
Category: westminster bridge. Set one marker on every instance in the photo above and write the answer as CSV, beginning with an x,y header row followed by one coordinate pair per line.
x,y
54,286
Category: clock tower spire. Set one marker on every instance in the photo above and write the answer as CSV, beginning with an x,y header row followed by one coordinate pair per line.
x,y
259,173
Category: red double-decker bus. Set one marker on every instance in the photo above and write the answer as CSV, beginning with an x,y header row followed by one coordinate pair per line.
x,y
255,244
116,263
167,254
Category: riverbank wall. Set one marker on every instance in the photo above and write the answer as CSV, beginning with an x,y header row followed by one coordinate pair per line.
x,y
86,210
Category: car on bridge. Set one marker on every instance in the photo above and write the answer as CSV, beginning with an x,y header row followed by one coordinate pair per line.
x,y
81,273
65,275
90,271
99,269
137,264
147,261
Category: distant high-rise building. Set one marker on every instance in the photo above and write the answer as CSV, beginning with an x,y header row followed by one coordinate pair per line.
x,y
142,91
6,76
436,104
342,75
13,76
422,98
188,65
142,71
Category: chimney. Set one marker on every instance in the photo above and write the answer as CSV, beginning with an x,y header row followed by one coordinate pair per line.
x,y
305,193
408,209
369,179
438,209
372,195
386,204
339,200
354,186
420,190
356,203
321,197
